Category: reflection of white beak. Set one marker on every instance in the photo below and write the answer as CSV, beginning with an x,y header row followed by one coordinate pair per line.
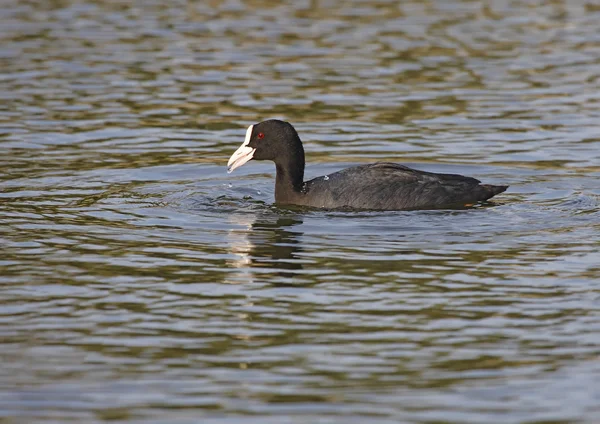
x,y
243,154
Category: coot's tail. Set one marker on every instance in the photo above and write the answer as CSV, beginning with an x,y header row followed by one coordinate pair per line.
x,y
490,191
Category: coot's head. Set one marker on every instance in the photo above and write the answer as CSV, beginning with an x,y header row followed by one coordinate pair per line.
x,y
269,140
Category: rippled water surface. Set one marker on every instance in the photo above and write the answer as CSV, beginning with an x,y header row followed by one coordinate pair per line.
x,y
142,283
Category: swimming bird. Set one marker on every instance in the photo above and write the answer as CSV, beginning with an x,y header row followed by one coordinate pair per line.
x,y
375,186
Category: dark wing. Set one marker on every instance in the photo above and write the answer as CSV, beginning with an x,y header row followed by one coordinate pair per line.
x,y
405,171
385,185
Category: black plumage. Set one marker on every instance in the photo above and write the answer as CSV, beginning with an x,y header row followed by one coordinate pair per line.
x,y
377,186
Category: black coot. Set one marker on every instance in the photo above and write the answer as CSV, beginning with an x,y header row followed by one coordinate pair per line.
x,y
380,186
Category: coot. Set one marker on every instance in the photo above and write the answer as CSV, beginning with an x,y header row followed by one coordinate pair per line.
x,y
377,186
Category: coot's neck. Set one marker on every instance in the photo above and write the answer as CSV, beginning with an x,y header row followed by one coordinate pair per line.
x,y
290,174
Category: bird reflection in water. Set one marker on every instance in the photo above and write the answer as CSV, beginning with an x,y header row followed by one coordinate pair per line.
x,y
268,245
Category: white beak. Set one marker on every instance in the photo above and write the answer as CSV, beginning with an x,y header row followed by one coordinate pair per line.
x,y
243,154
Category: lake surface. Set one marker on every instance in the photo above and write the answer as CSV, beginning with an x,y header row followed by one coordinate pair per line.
x,y
140,283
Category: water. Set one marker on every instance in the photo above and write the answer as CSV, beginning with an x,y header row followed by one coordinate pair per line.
x,y
142,283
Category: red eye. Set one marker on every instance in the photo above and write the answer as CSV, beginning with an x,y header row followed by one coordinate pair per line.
x,y
261,135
